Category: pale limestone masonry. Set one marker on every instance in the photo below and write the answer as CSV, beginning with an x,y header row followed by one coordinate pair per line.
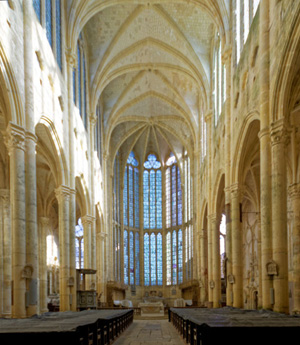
x,y
155,77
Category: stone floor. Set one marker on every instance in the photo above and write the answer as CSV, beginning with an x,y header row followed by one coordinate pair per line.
x,y
150,332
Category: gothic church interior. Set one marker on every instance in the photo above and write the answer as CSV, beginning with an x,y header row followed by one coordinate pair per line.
x,y
154,144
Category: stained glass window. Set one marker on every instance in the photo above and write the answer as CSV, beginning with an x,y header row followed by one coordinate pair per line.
x,y
174,257
137,258
74,85
79,77
168,198
174,196
130,191
136,198
179,198
58,32
48,4
131,257
146,260
168,247
79,244
126,257
84,111
180,267
146,199
153,258
37,8
152,193
159,259
125,200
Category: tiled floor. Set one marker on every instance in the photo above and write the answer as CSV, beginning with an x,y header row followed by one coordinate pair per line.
x,y
158,332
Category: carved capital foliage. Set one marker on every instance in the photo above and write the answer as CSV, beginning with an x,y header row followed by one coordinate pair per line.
x,y
62,193
280,133
14,138
45,221
4,195
93,119
294,191
235,190
86,220
70,57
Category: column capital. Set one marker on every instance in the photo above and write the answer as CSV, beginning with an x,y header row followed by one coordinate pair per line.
x,y
212,217
5,194
31,136
14,137
208,116
70,57
294,191
262,133
227,54
93,119
62,193
235,190
280,132
87,219
44,221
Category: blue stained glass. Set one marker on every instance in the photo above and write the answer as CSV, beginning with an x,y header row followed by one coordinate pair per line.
x,y
48,4
171,160
130,190
159,260
79,244
152,199
174,195
153,258
37,8
180,267
137,258
152,162
132,160
74,85
146,199
179,193
146,260
168,249
125,199
168,198
158,200
136,198
174,258
131,259
84,93
125,257
58,33
79,77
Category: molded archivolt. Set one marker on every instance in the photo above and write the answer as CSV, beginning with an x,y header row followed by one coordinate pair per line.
x,y
250,120
82,197
12,107
288,69
50,147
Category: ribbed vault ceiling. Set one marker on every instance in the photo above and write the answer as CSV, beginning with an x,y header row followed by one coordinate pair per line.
x,y
150,70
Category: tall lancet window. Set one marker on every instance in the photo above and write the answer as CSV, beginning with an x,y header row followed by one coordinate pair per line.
x,y
79,244
152,201
173,222
131,221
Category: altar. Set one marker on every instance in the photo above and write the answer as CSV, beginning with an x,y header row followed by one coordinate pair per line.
x,y
151,309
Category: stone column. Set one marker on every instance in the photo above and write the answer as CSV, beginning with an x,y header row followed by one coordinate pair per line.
x,y
228,247
63,197
15,141
265,152
294,191
31,223
211,260
216,274
6,254
44,227
70,63
72,223
237,243
87,222
30,163
203,267
279,216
